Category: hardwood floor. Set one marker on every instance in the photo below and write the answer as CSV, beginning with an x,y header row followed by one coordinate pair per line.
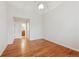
x,y
39,48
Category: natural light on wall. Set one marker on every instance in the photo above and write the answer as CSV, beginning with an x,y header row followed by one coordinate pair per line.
x,y
23,26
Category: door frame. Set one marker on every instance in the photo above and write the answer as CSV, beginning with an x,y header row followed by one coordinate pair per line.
x,y
20,20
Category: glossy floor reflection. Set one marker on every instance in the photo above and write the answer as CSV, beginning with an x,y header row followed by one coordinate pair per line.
x,y
39,48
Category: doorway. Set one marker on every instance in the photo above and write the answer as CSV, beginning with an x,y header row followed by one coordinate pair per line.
x,y
21,24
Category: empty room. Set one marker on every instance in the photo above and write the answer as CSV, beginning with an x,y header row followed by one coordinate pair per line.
x,y
39,28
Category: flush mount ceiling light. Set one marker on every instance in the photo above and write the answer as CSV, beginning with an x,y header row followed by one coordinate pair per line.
x,y
41,6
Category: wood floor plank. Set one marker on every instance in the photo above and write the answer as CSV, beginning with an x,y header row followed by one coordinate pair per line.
x,y
39,48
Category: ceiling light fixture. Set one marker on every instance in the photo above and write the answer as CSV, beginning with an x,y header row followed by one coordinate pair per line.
x,y
41,6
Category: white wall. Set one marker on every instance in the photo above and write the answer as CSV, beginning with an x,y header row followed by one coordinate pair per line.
x,y
27,11
3,26
62,25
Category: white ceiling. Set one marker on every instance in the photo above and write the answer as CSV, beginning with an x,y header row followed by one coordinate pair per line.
x,y
33,5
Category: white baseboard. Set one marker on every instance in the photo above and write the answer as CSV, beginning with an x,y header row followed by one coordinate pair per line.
x,y
64,45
